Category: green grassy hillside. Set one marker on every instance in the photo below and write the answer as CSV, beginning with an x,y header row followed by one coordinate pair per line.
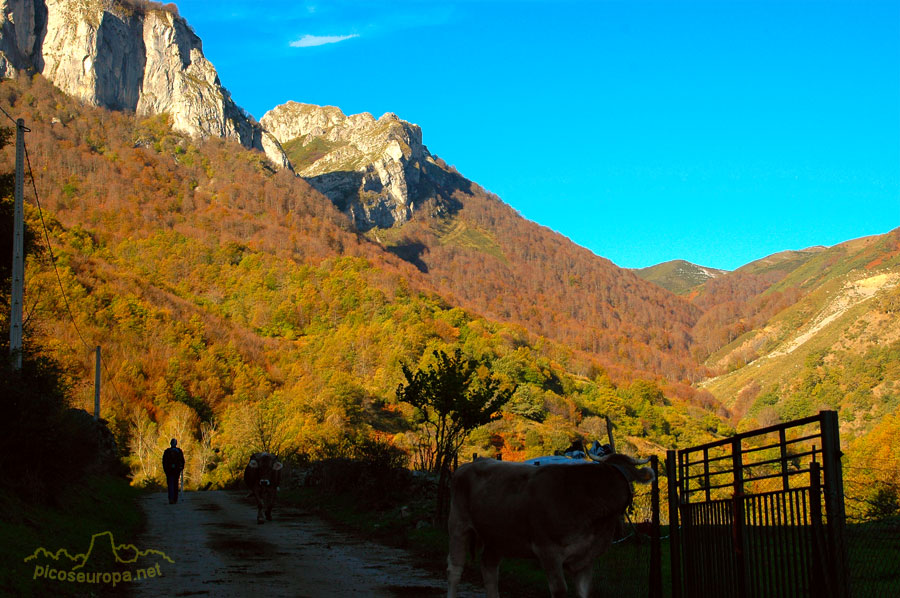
x,y
835,348
100,504
678,276
744,300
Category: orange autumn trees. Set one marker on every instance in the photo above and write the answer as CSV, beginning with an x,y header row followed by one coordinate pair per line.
x,y
235,306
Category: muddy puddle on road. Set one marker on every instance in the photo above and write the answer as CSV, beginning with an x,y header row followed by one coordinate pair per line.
x,y
220,550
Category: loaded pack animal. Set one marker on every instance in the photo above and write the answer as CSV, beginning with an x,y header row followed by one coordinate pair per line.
x,y
263,476
563,514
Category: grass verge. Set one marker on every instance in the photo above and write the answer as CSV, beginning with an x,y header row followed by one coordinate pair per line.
x,y
102,503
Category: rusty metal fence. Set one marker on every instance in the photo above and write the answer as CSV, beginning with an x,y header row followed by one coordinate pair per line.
x,y
760,514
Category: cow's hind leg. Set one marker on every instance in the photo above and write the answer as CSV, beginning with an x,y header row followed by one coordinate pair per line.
x,y
456,560
490,573
552,565
583,581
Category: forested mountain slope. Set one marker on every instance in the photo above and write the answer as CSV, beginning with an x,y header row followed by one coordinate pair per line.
x,y
743,299
477,249
236,307
799,332
836,347
240,305
142,57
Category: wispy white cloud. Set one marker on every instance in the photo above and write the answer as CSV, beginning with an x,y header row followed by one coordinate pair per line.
x,y
308,41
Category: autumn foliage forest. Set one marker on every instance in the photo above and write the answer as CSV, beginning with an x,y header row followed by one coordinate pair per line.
x,y
510,269
237,310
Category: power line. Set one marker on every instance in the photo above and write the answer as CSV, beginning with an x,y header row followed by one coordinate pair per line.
x,y
50,250
8,116
56,270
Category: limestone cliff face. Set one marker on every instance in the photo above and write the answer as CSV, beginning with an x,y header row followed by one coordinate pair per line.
x,y
127,55
377,171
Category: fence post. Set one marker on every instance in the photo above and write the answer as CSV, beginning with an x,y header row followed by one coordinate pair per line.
x,y
655,548
819,570
737,524
834,502
674,535
706,473
782,441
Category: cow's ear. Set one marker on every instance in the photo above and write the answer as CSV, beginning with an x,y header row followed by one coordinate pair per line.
x,y
277,465
253,464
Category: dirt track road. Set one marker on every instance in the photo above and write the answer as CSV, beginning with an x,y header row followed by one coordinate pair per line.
x,y
219,550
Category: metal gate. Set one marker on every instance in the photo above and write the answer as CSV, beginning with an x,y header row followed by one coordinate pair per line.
x,y
751,516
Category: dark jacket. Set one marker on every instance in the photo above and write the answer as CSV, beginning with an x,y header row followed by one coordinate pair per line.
x,y
173,460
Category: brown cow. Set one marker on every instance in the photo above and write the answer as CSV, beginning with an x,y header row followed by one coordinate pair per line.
x,y
563,514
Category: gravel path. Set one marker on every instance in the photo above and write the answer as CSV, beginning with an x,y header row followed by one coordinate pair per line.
x,y
219,550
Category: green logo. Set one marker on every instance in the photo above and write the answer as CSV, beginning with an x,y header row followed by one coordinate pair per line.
x,y
104,562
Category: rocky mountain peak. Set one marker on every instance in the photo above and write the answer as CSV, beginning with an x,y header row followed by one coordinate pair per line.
x,y
378,171
127,55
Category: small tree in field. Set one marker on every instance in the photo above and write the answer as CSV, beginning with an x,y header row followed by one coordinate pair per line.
x,y
452,398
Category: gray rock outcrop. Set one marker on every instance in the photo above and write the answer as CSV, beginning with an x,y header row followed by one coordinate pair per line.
x,y
127,55
377,171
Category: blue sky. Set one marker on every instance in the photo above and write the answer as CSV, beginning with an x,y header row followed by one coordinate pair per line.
x,y
716,132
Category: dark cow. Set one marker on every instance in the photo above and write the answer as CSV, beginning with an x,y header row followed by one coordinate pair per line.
x,y
263,475
563,514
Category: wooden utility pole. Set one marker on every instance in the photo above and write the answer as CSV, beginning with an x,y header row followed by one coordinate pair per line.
x,y
18,265
97,386
609,434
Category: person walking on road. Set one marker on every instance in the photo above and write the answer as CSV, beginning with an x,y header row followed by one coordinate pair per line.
x,y
173,465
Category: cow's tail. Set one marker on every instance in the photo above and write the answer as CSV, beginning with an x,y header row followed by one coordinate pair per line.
x,y
629,467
